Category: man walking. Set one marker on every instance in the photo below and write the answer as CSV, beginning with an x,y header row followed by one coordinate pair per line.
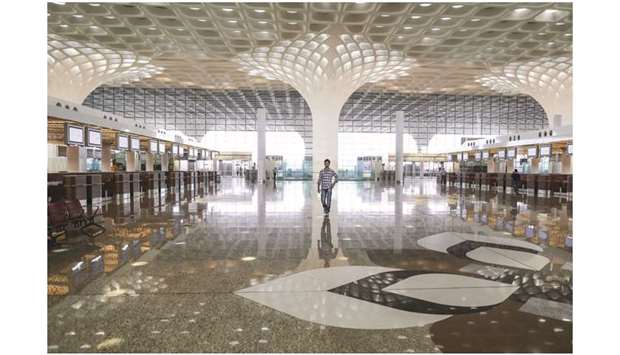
x,y
327,179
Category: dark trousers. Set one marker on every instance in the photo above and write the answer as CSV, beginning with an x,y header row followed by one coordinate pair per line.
x,y
326,199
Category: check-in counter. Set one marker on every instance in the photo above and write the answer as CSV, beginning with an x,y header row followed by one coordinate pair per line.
x,y
173,179
162,181
75,187
500,182
135,181
121,186
488,181
148,181
453,179
469,180
531,183
94,189
55,187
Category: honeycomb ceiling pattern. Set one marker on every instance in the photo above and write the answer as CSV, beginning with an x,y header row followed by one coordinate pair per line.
x,y
548,80
317,62
75,69
453,43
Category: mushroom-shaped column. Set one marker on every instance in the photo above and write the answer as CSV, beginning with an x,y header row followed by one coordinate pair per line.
x,y
75,69
326,68
548,80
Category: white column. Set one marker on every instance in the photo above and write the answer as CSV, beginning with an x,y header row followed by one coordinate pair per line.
x,y
260,139
132,165
400,127
325,116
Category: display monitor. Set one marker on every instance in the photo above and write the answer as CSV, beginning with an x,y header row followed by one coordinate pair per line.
x,y
570,149
74,135
175,149
162,147
485,154
478,155
93,137
449,156
153,146
122,142
512,153
501,154
135,143
545,151
532,152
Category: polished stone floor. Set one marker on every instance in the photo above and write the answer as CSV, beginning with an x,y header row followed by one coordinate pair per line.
x,y
246,268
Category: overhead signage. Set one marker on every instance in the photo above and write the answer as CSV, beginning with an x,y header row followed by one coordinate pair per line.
x,y
93,137
501,154
135,143
122,142
153,146
532,152
74,135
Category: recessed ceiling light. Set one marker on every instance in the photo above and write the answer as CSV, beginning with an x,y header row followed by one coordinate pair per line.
x,y
260,11
567,34
202,20
425,5
227,10
292,23
551,43
446,18
180,29
463,30
475,19
152,28
400,37
64,26
110,17
292,11
379,26
457,6
435,29
385,15
262,22
194,8
415,17
408,27
559,23
248,258
78,16
95,5
232,21
94,27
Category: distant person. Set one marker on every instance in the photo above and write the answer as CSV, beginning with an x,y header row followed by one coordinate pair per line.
x,y
275,172
516,181
327,180
325,245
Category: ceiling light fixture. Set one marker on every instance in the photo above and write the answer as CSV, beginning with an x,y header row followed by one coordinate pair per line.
x,y
260,11
425,5
457,6
232,21
64,26
475,19
194,8
292,11
227,9
559,24
78,16
446,18
110,17
95,5
408,27
415,17
435,29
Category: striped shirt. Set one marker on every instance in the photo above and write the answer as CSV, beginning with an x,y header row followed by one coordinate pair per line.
x,y
325,178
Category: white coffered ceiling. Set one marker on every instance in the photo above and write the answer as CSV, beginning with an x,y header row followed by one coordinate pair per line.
x,y
191,45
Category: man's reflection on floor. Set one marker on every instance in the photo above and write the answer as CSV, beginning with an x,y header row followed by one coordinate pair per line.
x,y
325,245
